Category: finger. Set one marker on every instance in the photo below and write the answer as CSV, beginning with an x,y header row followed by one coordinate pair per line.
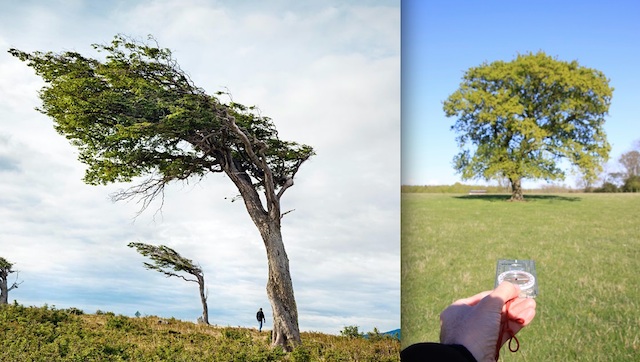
x,y
522,310
521,313
505,292
519,305
524,319
473,300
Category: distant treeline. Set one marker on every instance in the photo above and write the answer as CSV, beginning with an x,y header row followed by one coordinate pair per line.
x,y
456,188
459,188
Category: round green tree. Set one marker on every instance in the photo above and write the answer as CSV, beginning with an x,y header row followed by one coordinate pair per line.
x,y
518,119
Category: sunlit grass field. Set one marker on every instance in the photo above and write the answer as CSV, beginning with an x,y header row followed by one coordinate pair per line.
x,y
587,253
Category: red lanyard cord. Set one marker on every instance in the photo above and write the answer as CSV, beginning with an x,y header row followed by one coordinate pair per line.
x,y
504,328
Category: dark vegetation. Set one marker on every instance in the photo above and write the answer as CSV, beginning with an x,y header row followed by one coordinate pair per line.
x,y
631,184
50,334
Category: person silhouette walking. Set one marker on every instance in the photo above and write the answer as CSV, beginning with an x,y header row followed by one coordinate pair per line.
x,y
260,317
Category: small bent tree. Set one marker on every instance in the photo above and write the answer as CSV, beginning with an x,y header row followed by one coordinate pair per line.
x,y
168,262
137,113
6,269
518,119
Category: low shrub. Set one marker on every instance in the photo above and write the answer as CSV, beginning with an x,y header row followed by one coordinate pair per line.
x,y
75,311
50,334
631,184
607,187
350,332
301,354
120,323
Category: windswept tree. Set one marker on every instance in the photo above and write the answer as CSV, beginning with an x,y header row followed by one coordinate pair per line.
x,y
518,119
6,269
136,115
168,262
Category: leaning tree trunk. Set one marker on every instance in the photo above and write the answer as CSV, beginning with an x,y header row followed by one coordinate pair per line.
x,y
280,289
203,299
516,190
286,332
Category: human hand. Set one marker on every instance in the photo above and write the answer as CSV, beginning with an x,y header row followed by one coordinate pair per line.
x,y
476,322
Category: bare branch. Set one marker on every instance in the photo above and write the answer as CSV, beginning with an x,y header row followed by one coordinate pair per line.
x,y
286,212
145,192
259,160
16,283
289,182
170,274
284,187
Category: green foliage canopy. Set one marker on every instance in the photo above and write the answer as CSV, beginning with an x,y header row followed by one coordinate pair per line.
x,y
518,119
137,113
631,184
6,265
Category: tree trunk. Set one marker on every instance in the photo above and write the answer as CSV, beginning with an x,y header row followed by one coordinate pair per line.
x,y
286,332
4,289
516,190
203,299
4,293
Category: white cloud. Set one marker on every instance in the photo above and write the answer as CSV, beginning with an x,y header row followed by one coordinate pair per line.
x,y
328,74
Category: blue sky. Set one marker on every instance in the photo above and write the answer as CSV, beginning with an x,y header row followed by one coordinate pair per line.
x,y
326,72
442,39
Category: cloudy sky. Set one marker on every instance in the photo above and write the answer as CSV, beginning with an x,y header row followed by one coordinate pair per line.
x,y
328,74
442,39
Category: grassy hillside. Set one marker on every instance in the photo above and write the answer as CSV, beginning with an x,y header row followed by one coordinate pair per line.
x,y
587,253
48,334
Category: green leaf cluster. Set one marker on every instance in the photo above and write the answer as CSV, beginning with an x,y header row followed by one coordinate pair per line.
x,y
518,119
6,265
136,112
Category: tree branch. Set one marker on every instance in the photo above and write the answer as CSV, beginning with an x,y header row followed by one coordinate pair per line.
x,y
286,212
16,283
146,192
170,274
284,187
258,159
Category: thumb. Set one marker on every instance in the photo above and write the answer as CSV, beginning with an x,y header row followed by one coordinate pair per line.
x,y
499,297
505,292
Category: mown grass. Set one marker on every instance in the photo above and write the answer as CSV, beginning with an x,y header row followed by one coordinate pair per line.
x,y
587,253
48,334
